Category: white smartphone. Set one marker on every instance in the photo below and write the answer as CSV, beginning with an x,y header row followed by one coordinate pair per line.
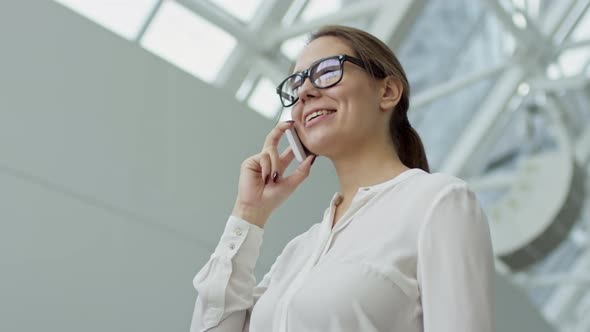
x,y
299,150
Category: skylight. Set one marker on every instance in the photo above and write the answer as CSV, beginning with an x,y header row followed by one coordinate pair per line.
x,y
125,18
319,8
188,41
581,31
572,62
264,99
243,9
292,47
531,7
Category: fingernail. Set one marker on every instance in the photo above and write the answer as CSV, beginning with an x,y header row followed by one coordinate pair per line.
x,y
290,121
313,160
266,178
275,177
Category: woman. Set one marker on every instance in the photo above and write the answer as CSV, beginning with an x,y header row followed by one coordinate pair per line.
x,y
399,249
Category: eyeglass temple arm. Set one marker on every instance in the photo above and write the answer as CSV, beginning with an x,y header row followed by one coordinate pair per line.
x,y
285,95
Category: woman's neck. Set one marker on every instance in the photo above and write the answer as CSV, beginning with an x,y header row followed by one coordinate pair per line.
x,y
367,166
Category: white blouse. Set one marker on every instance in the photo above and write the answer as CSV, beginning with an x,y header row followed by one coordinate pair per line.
x,y
411,254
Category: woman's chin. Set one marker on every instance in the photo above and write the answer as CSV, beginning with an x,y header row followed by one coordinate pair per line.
x,y
324,142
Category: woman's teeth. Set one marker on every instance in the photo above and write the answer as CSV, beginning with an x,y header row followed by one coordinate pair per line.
x,y
317,113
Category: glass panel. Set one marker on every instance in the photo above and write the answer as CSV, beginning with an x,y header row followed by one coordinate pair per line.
x,y
478,43
243,9
292,47
530,7
178,35
441,123
581,31
264,98
573,62
122,17
319,8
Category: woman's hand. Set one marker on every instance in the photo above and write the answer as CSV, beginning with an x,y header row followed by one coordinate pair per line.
x,y
262,186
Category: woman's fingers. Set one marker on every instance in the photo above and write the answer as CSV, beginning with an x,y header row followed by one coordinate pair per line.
x,y
270,148
265,167
275,165
273,138
301,172
265,161
286,158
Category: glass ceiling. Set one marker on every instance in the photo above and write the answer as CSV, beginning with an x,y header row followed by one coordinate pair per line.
x,y
176,34
125,18
153,22
243,10
479,47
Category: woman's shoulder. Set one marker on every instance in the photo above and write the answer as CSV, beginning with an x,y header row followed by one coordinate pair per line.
x,y
446,194
426,190
437,183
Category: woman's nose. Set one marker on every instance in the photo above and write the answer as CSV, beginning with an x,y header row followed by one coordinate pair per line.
x,y
307,90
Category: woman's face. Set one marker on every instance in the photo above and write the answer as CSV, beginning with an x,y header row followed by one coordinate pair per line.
x,y
356,119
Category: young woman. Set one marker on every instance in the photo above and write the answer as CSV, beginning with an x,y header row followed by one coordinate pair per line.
x,y
398,249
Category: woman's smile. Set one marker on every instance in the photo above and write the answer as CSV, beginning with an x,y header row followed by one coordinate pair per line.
x,y
319,118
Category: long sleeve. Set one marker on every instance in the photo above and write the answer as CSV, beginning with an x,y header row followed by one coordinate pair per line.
x,y
456,265
226,283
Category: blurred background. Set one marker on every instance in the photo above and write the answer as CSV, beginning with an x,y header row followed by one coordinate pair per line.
x,y
123,124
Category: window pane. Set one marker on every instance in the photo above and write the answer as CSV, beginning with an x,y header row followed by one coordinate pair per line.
x,y
572,62
264,98
188,41
319,8
292,47
122,17
581,31
243,9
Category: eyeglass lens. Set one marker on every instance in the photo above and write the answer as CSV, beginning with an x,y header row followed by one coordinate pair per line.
x,y
322,75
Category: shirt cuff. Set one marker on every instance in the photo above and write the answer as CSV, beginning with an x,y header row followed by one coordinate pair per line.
x,y
240,240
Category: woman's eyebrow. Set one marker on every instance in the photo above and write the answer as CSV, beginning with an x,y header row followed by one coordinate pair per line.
x,y
293,71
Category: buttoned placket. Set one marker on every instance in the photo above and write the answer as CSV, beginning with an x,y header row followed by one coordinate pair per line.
x,y
360,200
326,237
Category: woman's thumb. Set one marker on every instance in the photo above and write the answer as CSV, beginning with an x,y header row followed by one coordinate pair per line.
x,y
302,171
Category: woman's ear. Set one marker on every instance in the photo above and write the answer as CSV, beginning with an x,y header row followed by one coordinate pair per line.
x,y
391,92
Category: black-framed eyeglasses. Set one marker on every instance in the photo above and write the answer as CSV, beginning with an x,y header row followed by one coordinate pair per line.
x,y
322,74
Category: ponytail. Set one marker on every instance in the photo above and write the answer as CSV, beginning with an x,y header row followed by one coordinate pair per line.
x,y
407,142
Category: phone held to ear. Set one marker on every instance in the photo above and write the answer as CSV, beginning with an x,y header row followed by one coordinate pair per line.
x,y
298,149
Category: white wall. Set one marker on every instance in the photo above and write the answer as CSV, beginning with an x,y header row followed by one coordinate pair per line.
x,y
117,174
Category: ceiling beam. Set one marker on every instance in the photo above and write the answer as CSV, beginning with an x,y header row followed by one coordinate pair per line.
x,y
244,59
467,156
248,41
395,19
357,10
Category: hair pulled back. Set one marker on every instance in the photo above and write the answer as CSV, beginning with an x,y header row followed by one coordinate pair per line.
x,y
382,62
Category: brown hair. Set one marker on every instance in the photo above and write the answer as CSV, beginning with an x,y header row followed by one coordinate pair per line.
x,y
382,62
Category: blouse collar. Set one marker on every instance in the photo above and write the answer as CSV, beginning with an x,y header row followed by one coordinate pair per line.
x,y
337,198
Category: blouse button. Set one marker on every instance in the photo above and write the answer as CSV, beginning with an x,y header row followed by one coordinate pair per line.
x,y
238,231
232,246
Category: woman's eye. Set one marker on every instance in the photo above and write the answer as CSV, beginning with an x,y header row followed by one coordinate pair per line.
x,y
295,86
327,76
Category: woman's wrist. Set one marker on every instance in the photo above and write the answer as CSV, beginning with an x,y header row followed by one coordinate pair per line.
x,y
252,215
